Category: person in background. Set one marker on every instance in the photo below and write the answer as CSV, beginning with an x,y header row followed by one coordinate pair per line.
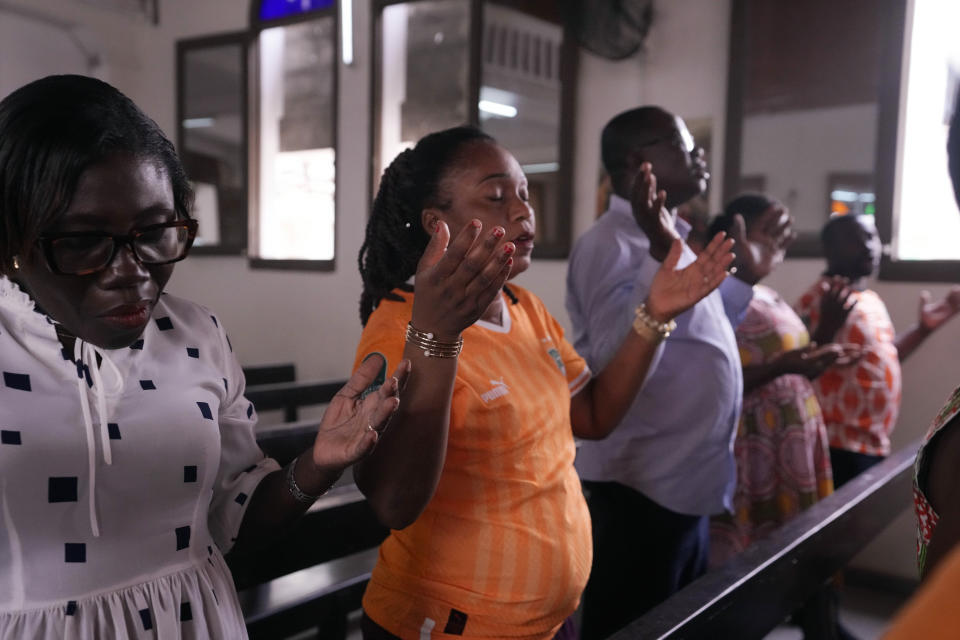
x,y
128,464
782,454
781,451
649,511
860,403
491,536
938,461
932,613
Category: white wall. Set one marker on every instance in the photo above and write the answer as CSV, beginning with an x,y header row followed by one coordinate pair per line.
x,y
311,318
796,151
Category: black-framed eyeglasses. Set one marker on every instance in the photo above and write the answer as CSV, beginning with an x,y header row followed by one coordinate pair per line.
x,y
87,252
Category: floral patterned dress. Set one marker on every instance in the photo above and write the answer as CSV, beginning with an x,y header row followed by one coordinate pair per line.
x,y
927,517
783,462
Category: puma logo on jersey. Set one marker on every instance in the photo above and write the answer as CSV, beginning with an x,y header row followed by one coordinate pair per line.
x,y
499,390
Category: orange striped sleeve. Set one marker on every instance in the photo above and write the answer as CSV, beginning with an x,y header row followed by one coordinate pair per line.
x,y
385,333
578,372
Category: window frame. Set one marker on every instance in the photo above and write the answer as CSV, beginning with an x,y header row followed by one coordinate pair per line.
x,y
892,24
569,64
895,18
253,134
807,243
183,47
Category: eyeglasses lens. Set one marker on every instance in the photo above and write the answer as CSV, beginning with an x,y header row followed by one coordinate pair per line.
x,y
86,254
81,254
161,245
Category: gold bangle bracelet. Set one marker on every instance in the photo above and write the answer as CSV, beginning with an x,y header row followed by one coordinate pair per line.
x,y
431,347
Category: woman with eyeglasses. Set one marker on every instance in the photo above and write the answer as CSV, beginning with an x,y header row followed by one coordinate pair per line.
x,y
128,464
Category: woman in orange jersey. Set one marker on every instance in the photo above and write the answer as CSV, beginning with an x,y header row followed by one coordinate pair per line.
x,y
491,535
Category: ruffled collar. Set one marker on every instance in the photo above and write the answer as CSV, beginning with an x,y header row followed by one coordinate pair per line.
x,y
14,298
88,376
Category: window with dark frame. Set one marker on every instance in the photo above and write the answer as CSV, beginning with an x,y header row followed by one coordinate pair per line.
x,y
799,111
212,137
917,216
864,64
293,142
507,67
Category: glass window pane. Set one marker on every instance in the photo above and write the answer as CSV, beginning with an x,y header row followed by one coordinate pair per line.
x,y
927,224
297,154
520,98
424,72
212,142
808,111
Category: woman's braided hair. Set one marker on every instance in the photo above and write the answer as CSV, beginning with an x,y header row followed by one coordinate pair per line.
x,y
395,238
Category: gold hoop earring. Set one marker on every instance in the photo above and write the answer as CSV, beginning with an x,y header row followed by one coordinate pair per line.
x,y
16,264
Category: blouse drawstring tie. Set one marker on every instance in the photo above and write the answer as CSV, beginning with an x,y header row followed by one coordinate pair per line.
x,y
85,356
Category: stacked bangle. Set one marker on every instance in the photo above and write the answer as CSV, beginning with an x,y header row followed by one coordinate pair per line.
x,y
645,325
295,490
431,347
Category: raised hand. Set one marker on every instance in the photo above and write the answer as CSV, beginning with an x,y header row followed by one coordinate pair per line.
x,y
352,424
812,360
835,306
851,354
934,314
761,250
650,213
456,283
673,290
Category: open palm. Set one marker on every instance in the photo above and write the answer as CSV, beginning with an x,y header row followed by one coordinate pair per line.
x,y
673,290
651,214
761,249
934,313
352,423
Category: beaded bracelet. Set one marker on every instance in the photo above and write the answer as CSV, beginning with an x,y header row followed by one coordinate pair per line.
x,y
433,348
645,325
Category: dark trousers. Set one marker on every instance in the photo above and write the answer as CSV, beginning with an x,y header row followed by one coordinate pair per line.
x,y
642,554
847,465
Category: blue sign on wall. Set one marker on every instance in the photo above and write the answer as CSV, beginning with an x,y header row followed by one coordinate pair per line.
x,y
273,9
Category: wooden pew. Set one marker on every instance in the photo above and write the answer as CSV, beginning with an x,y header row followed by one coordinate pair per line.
x,y
285,441
289,396
270,373
757,590
320,596
315,574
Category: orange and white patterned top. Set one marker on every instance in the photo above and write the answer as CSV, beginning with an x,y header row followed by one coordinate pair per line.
x,y
860,402
503,550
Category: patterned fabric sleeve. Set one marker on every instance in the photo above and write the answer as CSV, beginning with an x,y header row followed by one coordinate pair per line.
x,y
927,516
808,307
242,463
